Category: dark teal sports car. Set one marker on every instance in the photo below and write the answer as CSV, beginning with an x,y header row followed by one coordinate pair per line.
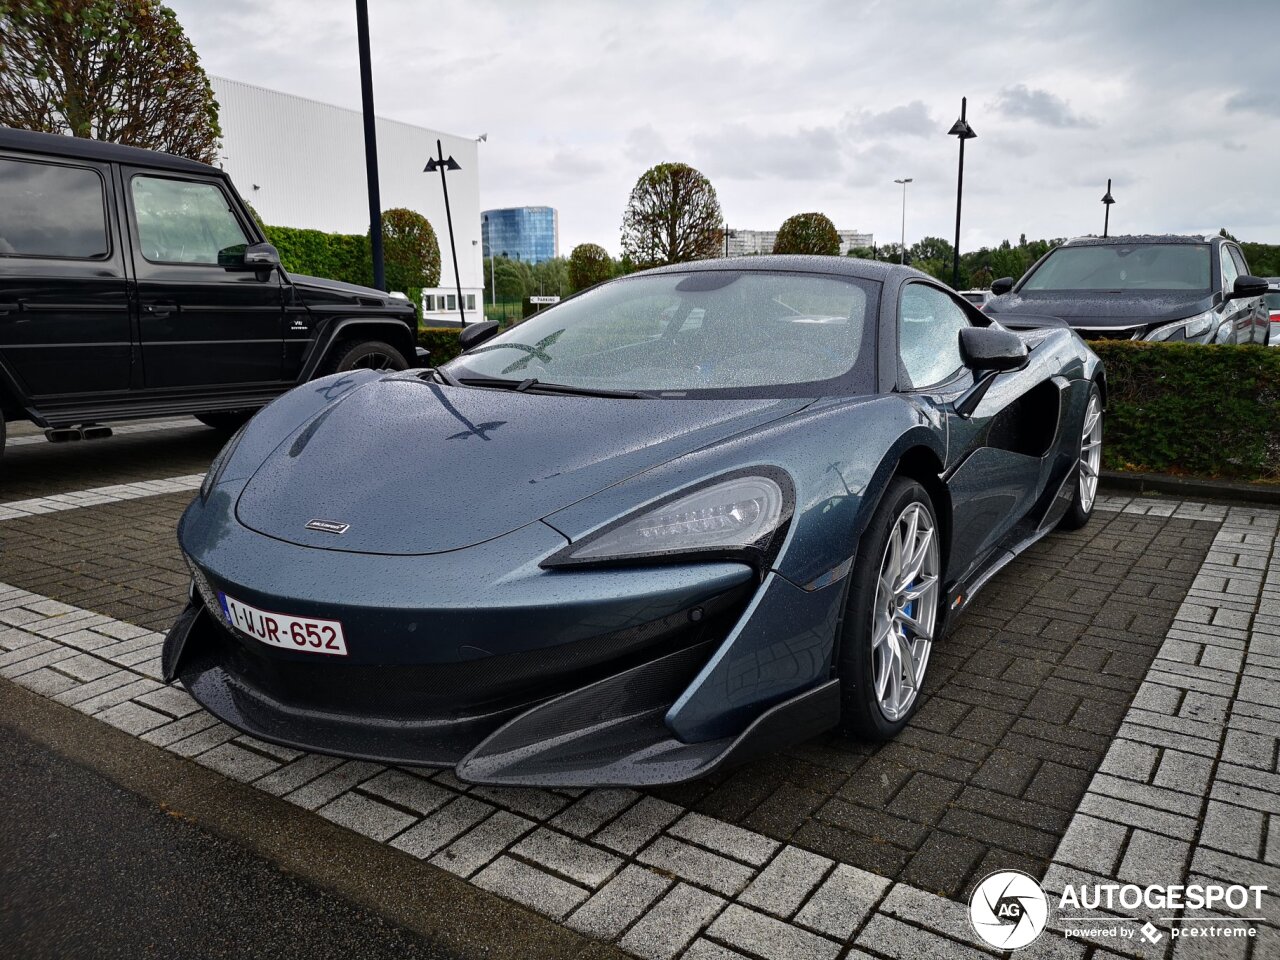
x,y
679,519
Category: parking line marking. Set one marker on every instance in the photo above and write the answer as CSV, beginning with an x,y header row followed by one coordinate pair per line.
x,y
98,496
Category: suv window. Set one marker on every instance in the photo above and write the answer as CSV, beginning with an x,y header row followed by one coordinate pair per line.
x,y
51,210
1238,257
183,221
1229,269
929,325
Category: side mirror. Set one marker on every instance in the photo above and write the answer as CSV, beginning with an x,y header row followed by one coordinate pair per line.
x,y
992,349
1248,285
257,257
1003,285
476,333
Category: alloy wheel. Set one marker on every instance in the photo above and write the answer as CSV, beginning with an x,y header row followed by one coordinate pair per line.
x,y
375,360
1090,452
906,611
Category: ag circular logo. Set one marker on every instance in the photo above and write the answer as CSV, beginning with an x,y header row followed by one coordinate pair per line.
x,y
1008,909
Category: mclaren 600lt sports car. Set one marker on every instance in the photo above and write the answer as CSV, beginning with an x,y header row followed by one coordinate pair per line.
x,y
681,518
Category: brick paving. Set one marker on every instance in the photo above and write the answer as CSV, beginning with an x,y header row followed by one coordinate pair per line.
x,y
39,469
1107,710
1022,702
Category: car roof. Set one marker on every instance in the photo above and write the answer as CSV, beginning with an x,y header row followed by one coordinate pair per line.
x,y
82,148
1130,240
838,266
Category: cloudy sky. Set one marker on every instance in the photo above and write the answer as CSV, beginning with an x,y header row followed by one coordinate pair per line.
x,y
798,105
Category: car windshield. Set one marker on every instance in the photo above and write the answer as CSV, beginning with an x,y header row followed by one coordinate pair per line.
x,y
1135,266
707,332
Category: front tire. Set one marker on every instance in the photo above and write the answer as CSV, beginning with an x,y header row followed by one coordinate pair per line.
x,y
891,614
1088,465
364,355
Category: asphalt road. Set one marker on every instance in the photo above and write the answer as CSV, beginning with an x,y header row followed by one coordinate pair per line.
x,y
89,870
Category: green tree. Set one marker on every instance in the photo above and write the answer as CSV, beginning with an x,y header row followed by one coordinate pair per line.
x,y
589,264
117,70
512,279
808,233
551,278
672,216
930,248
410,250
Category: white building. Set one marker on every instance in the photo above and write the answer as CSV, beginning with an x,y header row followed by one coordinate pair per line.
x,y
747,242
301,164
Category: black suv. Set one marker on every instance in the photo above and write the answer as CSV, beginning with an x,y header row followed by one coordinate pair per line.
x,y
136,284
1189,289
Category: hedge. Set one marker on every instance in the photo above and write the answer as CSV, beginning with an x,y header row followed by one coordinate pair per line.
x,y
1209,411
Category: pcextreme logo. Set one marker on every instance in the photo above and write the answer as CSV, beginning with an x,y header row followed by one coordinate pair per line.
x,y
1009,910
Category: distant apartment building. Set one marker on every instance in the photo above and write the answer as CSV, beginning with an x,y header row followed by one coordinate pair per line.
x,y
531,234
747,242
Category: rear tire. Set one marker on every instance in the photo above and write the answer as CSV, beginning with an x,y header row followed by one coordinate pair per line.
x,y
1088,465
363,355
226,421
891,613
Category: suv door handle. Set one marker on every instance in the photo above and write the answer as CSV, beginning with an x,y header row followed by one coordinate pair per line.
x,y
9,308
160,310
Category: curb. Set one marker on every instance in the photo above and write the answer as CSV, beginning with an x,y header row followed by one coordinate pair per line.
x,y
1190,487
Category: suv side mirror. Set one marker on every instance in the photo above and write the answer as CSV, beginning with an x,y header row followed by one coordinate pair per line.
x,y
1248,285
476,333
992,349
1003,285
254,256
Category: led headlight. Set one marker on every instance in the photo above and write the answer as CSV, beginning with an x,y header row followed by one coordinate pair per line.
x,y
219,464
1189,328
737,516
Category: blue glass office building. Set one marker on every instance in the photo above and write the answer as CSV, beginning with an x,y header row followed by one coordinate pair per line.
x,y
531,234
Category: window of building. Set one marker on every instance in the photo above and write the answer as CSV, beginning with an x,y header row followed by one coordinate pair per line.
x,y
50,210
428,302
453,302
471,301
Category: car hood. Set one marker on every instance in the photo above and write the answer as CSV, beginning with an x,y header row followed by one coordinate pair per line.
x,y
1100,308
414,467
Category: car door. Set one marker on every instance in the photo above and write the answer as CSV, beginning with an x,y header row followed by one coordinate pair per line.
x,y
1253,320
991,486
64,308
200,324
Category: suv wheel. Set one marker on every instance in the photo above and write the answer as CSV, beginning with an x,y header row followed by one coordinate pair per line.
x,y
228,421
364,355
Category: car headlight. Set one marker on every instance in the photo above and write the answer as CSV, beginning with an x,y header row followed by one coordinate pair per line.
x,y
730,517
219,464
1189,328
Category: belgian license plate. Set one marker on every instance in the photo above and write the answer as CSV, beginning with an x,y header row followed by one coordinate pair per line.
x,y
303,634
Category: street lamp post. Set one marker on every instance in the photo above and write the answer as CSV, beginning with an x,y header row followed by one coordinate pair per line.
x,y
438,162
727,234
902,247
963,131
370,145
1107,201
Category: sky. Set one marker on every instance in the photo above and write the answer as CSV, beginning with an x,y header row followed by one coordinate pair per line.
x,y
804,105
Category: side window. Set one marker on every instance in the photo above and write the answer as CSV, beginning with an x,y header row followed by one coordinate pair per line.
x,y
183,221
929,325
1238,257
51,210
1229,269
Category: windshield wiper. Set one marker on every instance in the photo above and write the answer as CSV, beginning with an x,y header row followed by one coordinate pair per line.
x,y
533,383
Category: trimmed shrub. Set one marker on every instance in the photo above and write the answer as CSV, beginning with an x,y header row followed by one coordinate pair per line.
x,y
410,251
589,264
441,342
809,233
1210,411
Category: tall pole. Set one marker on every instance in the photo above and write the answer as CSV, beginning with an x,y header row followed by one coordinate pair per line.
x,y
443,165
902,247
965,132
370,145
